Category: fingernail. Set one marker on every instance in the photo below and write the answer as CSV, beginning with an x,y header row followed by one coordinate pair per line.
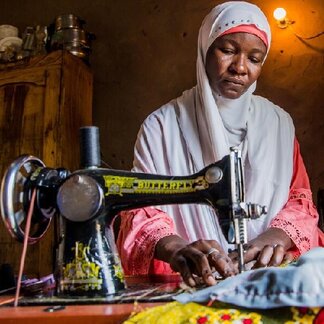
x,y
192,282
211,281
229,272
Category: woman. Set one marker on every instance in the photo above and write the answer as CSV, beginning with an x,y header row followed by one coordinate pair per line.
x,y
198,129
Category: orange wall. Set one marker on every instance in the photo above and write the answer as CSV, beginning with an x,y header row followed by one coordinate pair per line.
x,y
145,55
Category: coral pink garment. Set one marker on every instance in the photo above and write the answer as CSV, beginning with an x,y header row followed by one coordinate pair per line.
x,y
299,217
141,229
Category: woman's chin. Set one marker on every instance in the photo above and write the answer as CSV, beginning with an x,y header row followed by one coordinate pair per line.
x,y
231,94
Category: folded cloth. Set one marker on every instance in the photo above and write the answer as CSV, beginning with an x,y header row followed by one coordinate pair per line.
x,y
298,284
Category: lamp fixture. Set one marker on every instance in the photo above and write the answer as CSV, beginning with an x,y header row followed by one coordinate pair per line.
x,y
280,14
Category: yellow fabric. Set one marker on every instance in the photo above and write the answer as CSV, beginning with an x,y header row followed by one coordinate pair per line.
x,y
175,313
193,313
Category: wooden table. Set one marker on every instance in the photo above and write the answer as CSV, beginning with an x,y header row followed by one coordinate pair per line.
x,y
79,314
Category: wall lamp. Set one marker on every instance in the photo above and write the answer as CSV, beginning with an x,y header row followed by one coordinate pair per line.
x,y
280,15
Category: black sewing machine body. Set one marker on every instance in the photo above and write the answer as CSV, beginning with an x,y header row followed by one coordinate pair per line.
x,y
87,201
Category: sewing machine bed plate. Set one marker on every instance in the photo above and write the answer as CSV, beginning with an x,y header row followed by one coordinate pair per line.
x,y
142,292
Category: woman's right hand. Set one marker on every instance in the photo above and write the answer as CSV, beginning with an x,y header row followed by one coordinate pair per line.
x,y
199,258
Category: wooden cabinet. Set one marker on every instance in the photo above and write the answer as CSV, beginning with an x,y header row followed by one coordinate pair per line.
x,y
43,103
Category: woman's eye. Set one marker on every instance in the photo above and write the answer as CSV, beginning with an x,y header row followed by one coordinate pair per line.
x,y
227,50
255,60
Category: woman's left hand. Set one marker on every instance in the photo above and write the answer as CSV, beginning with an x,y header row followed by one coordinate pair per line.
x,y
268,249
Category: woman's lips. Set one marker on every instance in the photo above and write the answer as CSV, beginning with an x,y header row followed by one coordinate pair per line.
x,y
230,86
235,82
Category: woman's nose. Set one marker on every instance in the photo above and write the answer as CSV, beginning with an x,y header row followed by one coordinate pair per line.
x,y
239,65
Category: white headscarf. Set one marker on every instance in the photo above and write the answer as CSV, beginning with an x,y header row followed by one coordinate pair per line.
x,y
233,112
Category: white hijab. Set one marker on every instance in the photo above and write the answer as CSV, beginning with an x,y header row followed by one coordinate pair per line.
x,y
199,128
214,109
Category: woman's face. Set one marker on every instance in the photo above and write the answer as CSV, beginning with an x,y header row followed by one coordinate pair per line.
x,y
234,62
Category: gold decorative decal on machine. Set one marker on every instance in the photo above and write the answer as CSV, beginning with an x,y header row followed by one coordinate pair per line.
x,y
118,185
81,274
127,185
119,272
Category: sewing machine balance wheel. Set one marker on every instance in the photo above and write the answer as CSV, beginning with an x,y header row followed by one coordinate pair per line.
x,y
15,195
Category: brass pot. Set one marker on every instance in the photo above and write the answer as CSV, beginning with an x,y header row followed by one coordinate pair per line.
x,y
68,21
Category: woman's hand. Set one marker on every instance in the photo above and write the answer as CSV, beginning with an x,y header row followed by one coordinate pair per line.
x,y
199,258
268,249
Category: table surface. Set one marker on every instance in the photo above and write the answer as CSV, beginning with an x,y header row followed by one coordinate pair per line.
x,y
80,314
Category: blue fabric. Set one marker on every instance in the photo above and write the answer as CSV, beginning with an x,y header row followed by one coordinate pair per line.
x,y
299,284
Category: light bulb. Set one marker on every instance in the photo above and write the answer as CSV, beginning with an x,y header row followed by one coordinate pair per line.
x,y
279,14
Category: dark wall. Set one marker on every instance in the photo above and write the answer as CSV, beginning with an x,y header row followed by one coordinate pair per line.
x,y
145,53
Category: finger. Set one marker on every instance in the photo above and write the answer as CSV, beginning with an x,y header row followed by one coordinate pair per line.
x,y
179,264
278,255
201,265
206,245
222,263
288,258
264,257
251,253
233,255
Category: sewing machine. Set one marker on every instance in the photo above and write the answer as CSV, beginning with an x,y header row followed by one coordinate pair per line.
x,y
86,202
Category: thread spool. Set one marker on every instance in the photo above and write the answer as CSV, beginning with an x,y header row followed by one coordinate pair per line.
x,y
89,147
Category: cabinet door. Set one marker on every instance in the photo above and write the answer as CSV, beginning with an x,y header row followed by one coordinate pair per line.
x,y
29,102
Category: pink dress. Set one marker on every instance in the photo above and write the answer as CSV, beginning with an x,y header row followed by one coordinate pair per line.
x,y
141,229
